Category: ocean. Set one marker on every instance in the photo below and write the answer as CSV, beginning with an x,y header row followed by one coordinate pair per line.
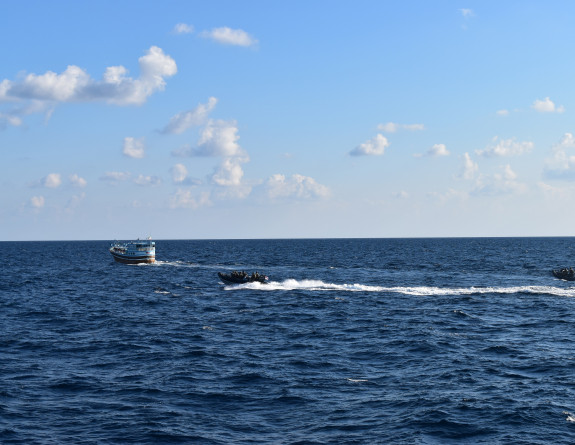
x,y
353,341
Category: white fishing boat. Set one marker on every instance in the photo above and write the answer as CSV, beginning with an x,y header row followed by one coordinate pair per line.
x,y
134,252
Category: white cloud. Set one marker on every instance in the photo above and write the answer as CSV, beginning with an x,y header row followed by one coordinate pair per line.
x,y
505,147
392,127
182,121
37,202
217,139
466,12
185,199
13,116
115,177
147,180
401,194
438,150
9,119
374,147
562,164
229,173
566,142
435,151
547,106
503,113
499,184
133,148
183,28
75,85
179,173
52,181
297,186
228,36
77,181
469,168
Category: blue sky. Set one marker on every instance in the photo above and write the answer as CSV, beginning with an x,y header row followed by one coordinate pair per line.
x,y
226,119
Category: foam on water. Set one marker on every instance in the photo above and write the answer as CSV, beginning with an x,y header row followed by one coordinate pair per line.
x,y
318,285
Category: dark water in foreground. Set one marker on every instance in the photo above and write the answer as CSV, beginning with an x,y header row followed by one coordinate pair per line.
x,y
423,341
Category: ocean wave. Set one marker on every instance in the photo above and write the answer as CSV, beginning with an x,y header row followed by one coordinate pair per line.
x,y
318,285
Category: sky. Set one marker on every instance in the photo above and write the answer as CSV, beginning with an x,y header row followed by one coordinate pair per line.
x,y
300,119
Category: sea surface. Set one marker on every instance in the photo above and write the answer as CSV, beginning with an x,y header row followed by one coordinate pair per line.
x,y
353,341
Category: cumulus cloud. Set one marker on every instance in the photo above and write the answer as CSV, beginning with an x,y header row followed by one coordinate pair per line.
x,y
133,148
146,181
183,28
374,147
228,36
547,106
185,199
468,168
438,150
435,151
466,12
52,181
502,112
392,127
505,147
280,187
499,184
77,181
75,85
561,165
229,173
114,178
187,119
218,138
37,202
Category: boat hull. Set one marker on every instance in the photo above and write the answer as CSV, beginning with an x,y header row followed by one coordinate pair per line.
x,y
125,259
564,275
134,252
228,279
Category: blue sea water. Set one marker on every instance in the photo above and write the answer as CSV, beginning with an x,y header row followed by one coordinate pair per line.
x,y
415,341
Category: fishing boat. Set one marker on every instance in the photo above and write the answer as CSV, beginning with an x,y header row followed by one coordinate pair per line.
x,y
236,277
134,252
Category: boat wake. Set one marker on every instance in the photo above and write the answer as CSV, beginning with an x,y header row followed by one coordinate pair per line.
x,y
318,285
176,263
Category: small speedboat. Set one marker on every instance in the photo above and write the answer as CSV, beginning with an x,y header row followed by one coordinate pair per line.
x,y
567,274
237,277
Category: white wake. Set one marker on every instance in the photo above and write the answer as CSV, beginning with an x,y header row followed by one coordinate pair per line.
x,y
318,285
